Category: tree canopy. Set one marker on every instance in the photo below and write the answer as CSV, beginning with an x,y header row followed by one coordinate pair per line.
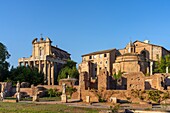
x,y
69,69
26,74
161,64
4,65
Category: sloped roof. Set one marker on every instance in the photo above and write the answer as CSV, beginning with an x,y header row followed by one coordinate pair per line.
x,y
56,48
99,52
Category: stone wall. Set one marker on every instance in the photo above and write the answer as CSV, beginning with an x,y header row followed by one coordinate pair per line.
x,y
27,91
135,81
103,80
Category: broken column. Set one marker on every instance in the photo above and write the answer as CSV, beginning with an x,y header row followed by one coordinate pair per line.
x,y
18,95
35,97
2,91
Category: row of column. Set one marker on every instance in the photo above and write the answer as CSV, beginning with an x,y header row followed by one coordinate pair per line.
x,y
48,69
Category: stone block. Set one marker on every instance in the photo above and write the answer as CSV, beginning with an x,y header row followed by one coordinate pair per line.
x,y
88,99
64,98
113,100
35,98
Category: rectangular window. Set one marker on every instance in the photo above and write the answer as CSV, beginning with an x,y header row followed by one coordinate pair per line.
x,y
105,55
90,57
95,69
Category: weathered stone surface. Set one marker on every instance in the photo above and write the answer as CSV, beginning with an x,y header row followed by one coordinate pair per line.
x,y
113,100
64,98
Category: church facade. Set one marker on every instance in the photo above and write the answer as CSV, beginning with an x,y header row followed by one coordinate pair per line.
x,y
47,58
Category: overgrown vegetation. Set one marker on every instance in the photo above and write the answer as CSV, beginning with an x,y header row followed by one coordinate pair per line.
x,y
115,109
69,69
54,93
161,64
99,94
154,95
150,95
70,90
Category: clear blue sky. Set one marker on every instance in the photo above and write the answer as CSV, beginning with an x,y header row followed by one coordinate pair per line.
x,y
82,26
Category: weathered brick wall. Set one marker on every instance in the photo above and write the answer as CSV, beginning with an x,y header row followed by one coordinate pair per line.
x,y
135,80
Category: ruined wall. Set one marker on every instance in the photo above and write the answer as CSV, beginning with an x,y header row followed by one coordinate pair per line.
x,y
155,81
103,80
135,81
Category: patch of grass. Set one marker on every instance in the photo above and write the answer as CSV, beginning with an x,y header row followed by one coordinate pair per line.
x,y
41,108
43,99
50,99
10,98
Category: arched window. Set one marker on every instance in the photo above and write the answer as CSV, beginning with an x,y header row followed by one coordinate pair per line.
x,y
144,53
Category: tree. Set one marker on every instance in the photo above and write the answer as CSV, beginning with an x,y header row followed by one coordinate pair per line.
x,y
26,74
161,64
69,69
4,65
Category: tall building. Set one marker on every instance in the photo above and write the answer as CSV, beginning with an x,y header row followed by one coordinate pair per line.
x,y
47,58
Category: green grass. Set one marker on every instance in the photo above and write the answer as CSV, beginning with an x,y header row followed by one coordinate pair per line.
x,y
43,99
50,99
41,108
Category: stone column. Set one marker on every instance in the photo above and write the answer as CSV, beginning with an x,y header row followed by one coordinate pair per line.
x,y
151,68
52,74
29,63
39,66
167,69
34,63
24,63
49,73
45,70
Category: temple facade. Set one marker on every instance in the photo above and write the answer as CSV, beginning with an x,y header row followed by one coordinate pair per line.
x,y
47,58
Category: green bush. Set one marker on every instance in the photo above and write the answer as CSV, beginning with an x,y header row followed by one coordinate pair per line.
x,y
52,92
154,95
70,90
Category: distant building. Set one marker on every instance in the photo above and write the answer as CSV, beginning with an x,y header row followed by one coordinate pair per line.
x,y
135,57
47,58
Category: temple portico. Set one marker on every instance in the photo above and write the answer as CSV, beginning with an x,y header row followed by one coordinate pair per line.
x,y
48,59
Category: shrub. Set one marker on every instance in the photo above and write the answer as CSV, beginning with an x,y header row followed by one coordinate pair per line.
x,y
52,92
70,90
